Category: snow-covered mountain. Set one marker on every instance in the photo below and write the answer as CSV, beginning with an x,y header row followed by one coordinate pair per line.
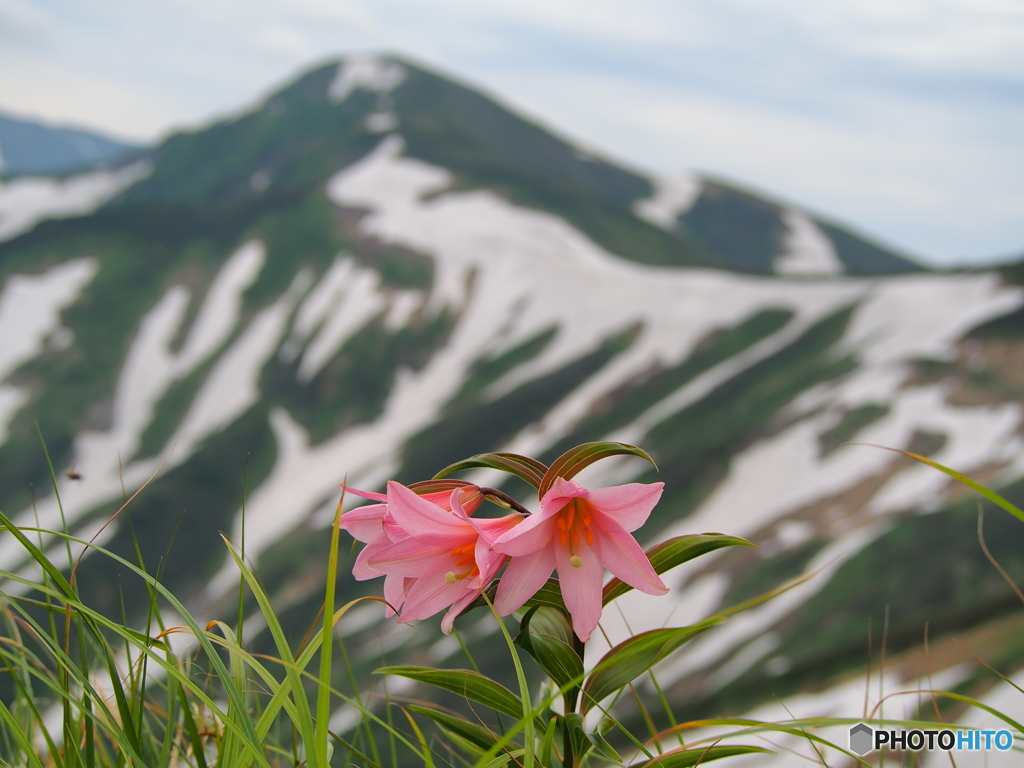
x,y
380,272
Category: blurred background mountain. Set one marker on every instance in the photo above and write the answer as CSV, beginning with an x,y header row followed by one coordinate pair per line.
x,y
29,147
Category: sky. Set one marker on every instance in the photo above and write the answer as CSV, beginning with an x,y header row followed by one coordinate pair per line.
x,y
901,118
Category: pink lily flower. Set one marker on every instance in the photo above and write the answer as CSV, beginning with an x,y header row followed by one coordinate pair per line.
x,y
376,527
446,559
579,533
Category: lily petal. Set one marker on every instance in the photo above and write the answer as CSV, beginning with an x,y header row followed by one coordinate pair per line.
x,y
431,593
561,492
409,557
394,592
530,535
364,494
421,519
448,622
629,505
626,560
362,570
522,578
581,587
365,524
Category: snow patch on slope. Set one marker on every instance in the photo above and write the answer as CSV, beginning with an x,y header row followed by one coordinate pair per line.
x,y
232,387
150,369
673,196
26,201
222,306
367,73
806,249
30,310
354,306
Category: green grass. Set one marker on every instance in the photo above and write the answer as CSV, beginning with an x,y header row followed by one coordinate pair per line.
x,y
175,522
266,700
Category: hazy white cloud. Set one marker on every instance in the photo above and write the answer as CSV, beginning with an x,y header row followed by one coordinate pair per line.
x,y
900,116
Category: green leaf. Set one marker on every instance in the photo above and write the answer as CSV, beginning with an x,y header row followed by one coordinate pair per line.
x,y
547,743
603,748
684,758
550,594
501,760
476,734
467,746
522,467
570,463
578,735
673,552
631,658
546,634
463,682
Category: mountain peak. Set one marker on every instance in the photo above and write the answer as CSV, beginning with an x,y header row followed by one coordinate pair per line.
x,y
337,113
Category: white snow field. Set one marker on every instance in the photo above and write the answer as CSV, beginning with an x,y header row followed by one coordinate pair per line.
x,y
807,250
27,200
30,312
673,196
367,73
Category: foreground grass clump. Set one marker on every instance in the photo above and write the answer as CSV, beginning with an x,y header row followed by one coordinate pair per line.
x,y
78,688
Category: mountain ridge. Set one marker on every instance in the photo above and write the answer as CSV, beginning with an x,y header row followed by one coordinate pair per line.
x,y
33,148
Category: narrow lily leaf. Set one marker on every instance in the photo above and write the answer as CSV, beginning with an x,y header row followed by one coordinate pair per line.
x,y
684,758
746,605
581,742
522,467
501,760
549,595
548,742
570,463
673,552
992,496
463,682
546,635
631,658
603,748
476,734
472,750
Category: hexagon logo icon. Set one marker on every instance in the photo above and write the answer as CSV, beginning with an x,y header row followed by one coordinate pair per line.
x,y
861,738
